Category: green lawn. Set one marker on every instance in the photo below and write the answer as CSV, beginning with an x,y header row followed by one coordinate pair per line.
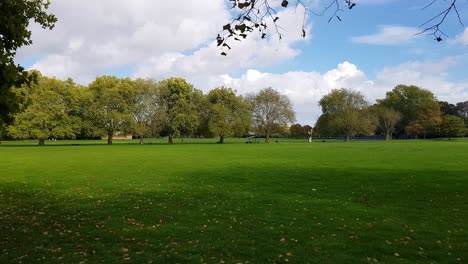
x,y
325,202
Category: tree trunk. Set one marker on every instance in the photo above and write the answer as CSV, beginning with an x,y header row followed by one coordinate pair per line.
x,y
347,138
141,140
41,142
110,136
170,139
221,139
267,138
388,135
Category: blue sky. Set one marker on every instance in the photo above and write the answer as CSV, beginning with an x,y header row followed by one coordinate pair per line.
x,y
371,50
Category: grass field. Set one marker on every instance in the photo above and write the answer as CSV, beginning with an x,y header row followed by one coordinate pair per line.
x,y
194,202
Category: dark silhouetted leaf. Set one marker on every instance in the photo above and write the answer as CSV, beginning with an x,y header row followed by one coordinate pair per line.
x,y
227,27
241,28
243,5
284,4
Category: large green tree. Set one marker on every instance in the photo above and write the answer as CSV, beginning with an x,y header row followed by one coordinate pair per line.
x,y
296,130
229,113
15,17
462,110
452,126
46,111
413,103
144,107
272,112
111,102
427,120
385,119
344,113
178,107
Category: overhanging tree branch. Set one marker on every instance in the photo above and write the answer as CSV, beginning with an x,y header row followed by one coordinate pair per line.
x,y
259,15
439,19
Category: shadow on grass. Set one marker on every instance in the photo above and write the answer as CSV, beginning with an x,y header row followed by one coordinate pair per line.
x,y
321,215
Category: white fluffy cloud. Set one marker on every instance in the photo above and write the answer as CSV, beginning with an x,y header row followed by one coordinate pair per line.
x,y
390,35
306,88
98,35
461,38
156,38
251,52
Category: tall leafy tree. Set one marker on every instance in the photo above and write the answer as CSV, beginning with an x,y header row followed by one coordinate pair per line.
x,y
46,112
272,112
229,113
412,102
178,105
296,130
144,107
447,108
15,17
344,113
462,110
110,106
427,120
452,126
81,102
386,119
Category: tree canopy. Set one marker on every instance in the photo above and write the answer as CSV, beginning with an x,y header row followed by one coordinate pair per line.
x,y
386,119
179,104
144,107
418,107
46,112
229,113
15,17
111,105
272,112
344,113
452,126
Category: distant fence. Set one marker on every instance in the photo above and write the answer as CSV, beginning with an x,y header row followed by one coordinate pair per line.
x,y
376,137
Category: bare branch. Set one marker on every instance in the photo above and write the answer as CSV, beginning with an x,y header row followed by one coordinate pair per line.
x,y
439,19
258,15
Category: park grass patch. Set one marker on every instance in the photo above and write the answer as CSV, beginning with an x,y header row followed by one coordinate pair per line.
x,y
326,202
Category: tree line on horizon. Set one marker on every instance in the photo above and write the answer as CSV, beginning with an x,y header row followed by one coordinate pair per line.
x,y
112,106
406,110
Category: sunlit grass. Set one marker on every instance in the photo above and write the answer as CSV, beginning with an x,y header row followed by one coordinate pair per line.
x,y
197,201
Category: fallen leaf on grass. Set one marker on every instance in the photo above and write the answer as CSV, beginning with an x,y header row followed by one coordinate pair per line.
x,y
124,249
